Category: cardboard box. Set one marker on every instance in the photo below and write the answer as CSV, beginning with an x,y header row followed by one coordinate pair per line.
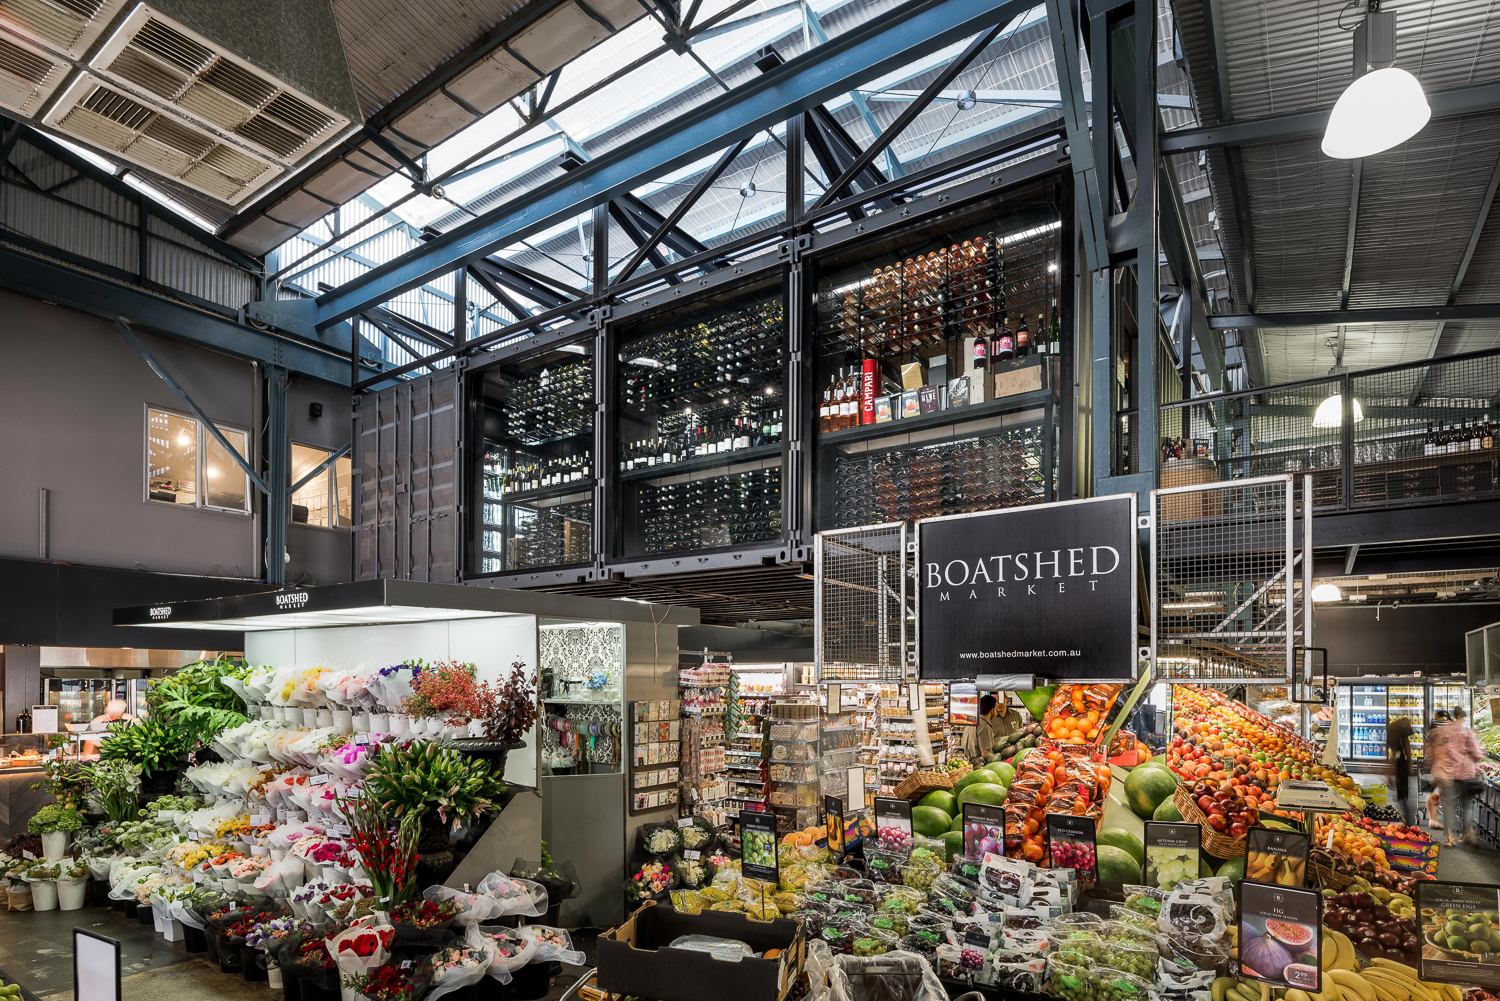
x,y
1014,377
913,375
636,958
958,392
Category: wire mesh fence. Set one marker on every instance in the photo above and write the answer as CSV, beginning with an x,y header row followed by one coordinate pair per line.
x,y
863,620
1223,555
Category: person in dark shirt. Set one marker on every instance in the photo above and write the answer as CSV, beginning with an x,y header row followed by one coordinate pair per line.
x,y
1398,747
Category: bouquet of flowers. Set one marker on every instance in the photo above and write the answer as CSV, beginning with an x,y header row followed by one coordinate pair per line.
x,y
472,907
552,944
390,685
662,839
509,949
653,879
305,900
513,896
305,954
457,966
280,878
268,935
363,946
423,924
249,867
391,982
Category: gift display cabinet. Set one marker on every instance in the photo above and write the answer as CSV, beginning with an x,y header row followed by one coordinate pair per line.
x,y
882,367
627,646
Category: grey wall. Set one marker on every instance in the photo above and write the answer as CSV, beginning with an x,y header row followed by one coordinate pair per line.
x,y
1425,639
72,405
319,555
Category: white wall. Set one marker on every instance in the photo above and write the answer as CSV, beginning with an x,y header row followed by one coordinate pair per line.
x,y
490,644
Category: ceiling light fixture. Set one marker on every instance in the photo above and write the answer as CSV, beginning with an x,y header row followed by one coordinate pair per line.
x,y
966,100
747,190
1384,106
1330,413
1325,593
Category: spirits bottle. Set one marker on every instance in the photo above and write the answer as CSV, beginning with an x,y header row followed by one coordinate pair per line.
x,y
1473,436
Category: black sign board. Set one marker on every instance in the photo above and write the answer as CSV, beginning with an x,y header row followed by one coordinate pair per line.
x,y
1276,856
1048,589
1285,925
892,824
758,846
1072,844
1173,853
833,815
1459,933
984,830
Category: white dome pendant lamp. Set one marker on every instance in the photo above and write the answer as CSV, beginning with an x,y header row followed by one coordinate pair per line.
x,y
1384,106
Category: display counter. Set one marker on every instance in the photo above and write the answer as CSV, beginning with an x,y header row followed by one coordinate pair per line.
x,y
17,801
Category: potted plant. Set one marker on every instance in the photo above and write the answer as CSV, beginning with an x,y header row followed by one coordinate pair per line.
x,y
66,782
43,880
72,886
432,786
157,745
443,693
500,717
54,823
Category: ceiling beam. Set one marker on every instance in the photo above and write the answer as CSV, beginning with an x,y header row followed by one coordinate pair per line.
x,y
1356,179
1472,99
886,42
1463,265
1381,314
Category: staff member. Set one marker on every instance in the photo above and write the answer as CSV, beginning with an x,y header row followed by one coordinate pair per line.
x,y
978,739
1006,720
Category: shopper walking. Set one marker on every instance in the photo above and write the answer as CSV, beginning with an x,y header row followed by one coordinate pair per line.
x,y
1455,756
1398,747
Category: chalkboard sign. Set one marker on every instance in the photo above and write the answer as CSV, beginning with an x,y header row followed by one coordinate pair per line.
x,y
1048,589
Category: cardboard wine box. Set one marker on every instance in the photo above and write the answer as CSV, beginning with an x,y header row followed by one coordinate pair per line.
x,y
637,958
1024,375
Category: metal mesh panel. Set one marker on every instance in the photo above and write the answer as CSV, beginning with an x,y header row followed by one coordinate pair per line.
x,y
862,615
1222,555
1427,432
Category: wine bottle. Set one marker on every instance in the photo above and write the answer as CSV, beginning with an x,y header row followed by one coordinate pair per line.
x,y
1023,339
823,419
1429,441
1486,436
1006,342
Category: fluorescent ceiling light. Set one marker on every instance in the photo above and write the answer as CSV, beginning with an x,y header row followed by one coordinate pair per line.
x,y
1330,413
1381,109
1179,606
1325,593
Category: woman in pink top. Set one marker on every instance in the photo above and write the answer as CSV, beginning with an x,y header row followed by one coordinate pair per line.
x,y
1454,755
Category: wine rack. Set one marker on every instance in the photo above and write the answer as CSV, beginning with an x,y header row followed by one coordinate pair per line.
x,y
551,404
925,304
729,510
925,481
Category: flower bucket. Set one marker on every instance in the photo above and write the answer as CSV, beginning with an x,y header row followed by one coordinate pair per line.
x,y
54,845
343,721
250,960
380,723
146,914
44,895
194,940
156,919
70,893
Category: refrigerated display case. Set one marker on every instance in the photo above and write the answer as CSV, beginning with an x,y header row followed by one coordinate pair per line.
x,y
1409,701
1452,696
1362,716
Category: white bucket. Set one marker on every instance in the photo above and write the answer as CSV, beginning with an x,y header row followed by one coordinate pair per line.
x,y
70,893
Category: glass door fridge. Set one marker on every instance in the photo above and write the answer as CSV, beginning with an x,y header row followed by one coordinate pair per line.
x,y
1452,697
1409,701
1362,722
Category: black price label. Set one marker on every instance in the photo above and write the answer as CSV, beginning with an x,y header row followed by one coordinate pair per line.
x,y
1173,853
893,824
1280,935
758,846
984,830
1276,856
833,817
1459,933
1072,844
977,940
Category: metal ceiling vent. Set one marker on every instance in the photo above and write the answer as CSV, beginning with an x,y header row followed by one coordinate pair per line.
x,y
99,115
69,26
167,61
28,76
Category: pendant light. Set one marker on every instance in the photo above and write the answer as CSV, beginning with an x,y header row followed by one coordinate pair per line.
x,y
1325,593
1384,106
1330,413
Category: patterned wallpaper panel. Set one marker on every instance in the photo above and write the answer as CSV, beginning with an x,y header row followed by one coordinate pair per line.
x,y
572,652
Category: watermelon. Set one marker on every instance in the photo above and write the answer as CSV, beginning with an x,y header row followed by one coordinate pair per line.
x,y
1148,787
1204,869
1117,868
988,793
942,799
1123,839
953,845
929,821
958,821
1006,772
1168,812
979,775
1036,700
1233,870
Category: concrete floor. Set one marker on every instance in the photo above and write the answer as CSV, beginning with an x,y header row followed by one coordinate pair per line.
x,y
36,951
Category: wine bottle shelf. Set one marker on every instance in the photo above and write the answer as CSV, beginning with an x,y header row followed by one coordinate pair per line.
x,y
550,405
710,513
554,532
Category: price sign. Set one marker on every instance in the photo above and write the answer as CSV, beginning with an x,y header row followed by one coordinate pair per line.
x,y
1458,915
984,829
1276,856
1286,925
318,780
691,855
833,818
758,846
260,820
28,856
893,831
1072,844
684,821
1173,852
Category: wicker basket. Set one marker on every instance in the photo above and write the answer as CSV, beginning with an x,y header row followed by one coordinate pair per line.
x,y
1216,844
919,784
1329,879
957,773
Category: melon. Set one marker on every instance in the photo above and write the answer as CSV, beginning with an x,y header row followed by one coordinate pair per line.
x,y
958,821
1006,772
1123,839
1168,812
953,845
1117,868
929,821
942,799
976,777
1234,871
1148,787
988,793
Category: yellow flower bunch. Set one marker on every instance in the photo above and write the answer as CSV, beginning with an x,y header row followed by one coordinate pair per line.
x,y
234,826
194,858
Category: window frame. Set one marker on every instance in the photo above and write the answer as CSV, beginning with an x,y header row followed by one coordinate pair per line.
x,y
200,501
328,477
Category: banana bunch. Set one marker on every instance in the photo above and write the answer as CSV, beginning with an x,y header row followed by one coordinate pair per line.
x,y
1230,989
1337,953
1386,980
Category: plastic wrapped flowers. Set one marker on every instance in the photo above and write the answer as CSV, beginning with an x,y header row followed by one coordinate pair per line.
x,y
653,879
